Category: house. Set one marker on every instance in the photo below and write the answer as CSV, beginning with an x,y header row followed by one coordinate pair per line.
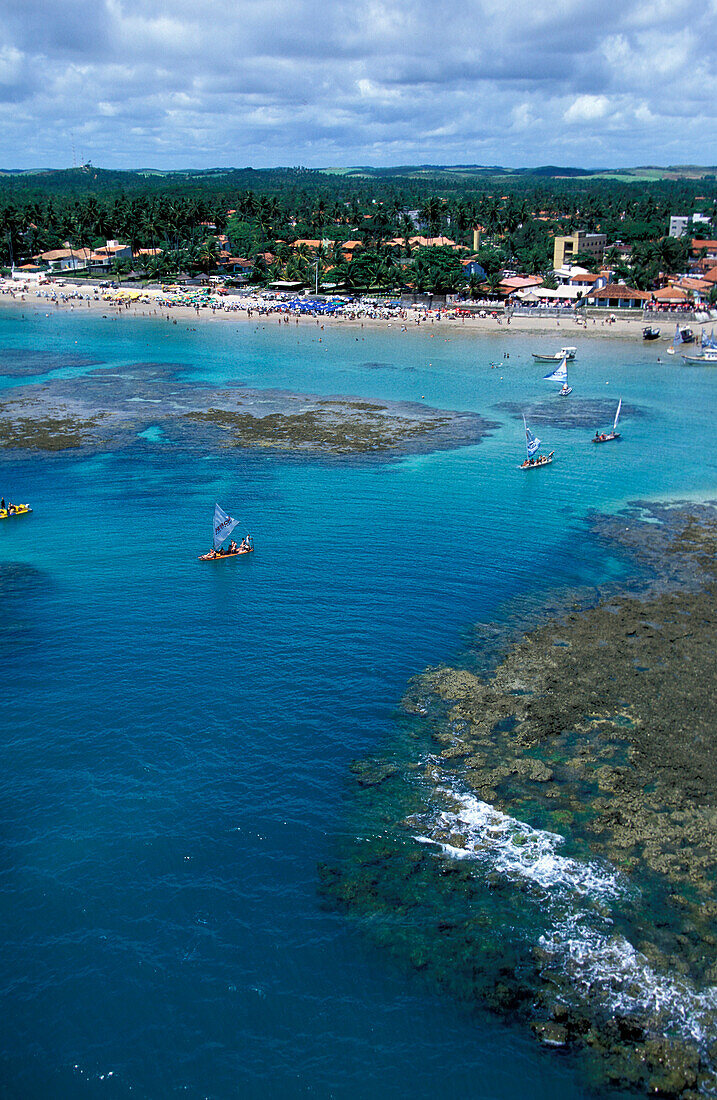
x,y
670,295
574,275
472,269
235,265
616,296
513,283
709,247
112,250
350,248
698,288
65,259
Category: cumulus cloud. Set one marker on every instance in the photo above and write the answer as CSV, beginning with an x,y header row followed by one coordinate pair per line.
x,y
233,82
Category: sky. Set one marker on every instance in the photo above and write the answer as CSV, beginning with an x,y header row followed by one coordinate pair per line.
x,y
319,83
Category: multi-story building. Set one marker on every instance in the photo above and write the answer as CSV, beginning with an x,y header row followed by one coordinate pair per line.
x,y
565,248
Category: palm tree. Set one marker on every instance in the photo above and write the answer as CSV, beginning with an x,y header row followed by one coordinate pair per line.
x,y
431,212
408,229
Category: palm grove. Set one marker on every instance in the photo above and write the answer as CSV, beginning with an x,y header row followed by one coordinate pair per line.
x,y
177,219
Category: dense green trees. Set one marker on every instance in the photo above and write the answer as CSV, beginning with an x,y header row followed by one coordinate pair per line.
x,y
182,213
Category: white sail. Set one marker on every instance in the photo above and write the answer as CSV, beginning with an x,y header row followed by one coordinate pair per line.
x,y
560,374
617,415
223,526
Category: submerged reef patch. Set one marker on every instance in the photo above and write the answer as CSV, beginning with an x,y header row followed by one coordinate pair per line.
x,y
544,842
106,409
556,412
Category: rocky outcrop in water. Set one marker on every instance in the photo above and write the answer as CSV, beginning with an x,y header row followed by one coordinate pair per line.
x,y
552,852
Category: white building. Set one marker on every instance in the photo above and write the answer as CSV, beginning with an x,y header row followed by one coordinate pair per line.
x,y
678,225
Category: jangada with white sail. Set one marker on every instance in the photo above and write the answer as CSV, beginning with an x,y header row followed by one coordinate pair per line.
x,y
533,459
560,374
604,437
223,527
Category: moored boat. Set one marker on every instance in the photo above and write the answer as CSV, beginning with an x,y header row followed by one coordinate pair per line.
x,y
605,437
682,336
564,353
223,527
649,333
709,355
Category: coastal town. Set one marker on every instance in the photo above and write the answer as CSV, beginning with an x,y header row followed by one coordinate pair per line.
x,y
580,254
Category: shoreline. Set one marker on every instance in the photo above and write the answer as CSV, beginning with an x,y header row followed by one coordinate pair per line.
x,y
74,297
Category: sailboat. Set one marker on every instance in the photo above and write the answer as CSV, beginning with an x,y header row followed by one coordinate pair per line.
x,y
708,353
560,374
682,336
223,527
533,460
604,437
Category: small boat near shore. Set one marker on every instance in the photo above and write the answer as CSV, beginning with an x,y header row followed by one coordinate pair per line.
x,y
7,512
682,336
650,333
605,437
532,459
568,353
709,355
223,527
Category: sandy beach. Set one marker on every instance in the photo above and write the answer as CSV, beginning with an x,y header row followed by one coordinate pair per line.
x,y
236,308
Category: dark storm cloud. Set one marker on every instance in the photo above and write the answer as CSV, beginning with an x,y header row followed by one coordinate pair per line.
x,y
190,83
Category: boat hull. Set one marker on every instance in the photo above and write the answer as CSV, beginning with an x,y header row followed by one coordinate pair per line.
x,y
565,393
606,438
712,360
552,358
18,510
221,557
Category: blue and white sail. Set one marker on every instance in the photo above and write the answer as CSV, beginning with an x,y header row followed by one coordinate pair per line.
x,y
709,341
560,374
223,526
617,415
531,441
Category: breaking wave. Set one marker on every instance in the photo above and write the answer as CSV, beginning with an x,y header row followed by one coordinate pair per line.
x,y
592,962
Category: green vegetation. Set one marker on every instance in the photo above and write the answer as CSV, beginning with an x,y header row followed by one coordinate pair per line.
x,y
186,219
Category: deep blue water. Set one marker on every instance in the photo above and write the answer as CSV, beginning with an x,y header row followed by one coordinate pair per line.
x,y
177,736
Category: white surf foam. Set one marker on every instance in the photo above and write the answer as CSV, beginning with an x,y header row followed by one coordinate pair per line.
x,y
609,970
517,850
601,965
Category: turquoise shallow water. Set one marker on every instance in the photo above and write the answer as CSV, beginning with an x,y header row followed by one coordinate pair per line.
x,y
177,737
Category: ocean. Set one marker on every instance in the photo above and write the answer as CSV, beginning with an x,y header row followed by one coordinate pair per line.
x,y
178,736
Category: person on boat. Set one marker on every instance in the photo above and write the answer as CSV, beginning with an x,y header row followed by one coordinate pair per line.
x,y
2,504
233,548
